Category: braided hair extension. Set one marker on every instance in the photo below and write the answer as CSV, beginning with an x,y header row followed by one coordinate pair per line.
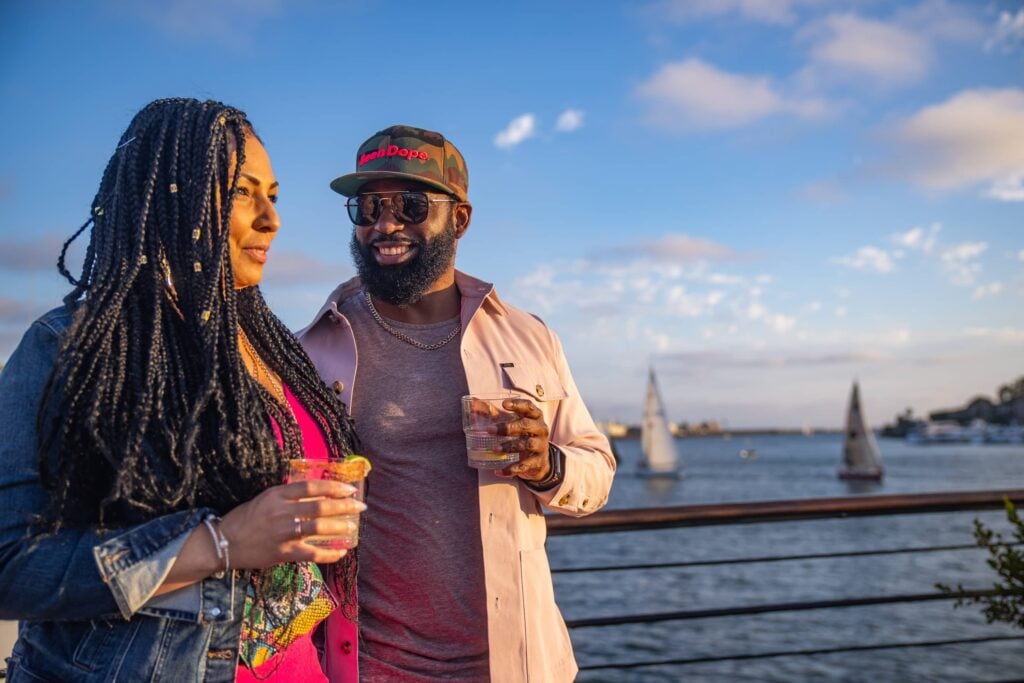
x,y
149,408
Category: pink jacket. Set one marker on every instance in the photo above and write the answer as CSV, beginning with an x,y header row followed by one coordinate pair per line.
x,y
502,347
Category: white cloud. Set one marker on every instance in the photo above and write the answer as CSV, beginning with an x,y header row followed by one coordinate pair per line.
x,y
1020,255
519,129
965,251
291,266
881,51
723,279
918,239
780,323
228,21
660,340
1009,188
942,20
677,248
686,304
868,258
693,94
1009,32
778,12
975,136
569,120
1006,334
841,311
960,262
991,289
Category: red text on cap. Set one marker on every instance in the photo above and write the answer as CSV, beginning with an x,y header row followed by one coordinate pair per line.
x,y
391,151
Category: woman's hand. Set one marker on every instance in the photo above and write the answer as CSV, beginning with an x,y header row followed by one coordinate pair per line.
x,y
264,532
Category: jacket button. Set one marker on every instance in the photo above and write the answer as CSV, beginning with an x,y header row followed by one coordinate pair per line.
x,y
215,612
338,386
540,390
346,647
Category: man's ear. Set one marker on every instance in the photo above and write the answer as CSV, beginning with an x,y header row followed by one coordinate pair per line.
x,y
463,215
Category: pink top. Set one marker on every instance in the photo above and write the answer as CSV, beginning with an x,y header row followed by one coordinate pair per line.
x,y
300,661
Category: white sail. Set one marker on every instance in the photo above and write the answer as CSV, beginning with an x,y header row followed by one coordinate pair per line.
x,y
861,459
659,447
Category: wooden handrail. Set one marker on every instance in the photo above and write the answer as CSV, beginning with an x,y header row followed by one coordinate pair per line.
x,y
779,510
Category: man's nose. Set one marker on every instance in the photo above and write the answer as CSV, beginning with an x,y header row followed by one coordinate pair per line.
x,y
387,223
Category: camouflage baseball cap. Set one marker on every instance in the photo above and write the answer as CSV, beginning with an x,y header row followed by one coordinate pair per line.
x,y
410,154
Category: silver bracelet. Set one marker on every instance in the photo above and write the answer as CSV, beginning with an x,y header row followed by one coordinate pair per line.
x,y
220,542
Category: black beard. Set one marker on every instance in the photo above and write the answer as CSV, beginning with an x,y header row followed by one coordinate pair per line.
x,y
404,284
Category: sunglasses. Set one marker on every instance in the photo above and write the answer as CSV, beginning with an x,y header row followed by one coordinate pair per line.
x,y
407,206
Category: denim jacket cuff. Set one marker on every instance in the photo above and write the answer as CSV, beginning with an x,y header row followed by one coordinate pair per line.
x,y
135,562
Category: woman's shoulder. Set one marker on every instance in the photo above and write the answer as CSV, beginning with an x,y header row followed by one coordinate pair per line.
x,y
40,343
57,320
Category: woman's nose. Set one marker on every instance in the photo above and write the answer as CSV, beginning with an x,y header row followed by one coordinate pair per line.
x,y
269,221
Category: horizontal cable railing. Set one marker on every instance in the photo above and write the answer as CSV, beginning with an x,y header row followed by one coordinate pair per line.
x,y
768,558
806,652
761,609
646,519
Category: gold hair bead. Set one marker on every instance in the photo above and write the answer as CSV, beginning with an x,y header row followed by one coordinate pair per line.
x,y
222,120
196,233
197,266
143,261
174,188
206,316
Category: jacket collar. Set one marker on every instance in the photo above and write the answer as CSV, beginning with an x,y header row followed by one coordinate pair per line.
x,y
476,291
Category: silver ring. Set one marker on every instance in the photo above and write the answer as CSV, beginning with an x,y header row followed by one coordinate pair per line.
x,y
298,528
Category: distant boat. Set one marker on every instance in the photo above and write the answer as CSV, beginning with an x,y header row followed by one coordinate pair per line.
x,y
748,453
861,459
660,457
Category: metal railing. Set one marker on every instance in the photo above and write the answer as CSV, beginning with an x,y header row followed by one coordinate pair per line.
x,y
646,519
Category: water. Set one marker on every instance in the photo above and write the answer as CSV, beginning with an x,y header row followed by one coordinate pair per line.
x,y
484,448
788,467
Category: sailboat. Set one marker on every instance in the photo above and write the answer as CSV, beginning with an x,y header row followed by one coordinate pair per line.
x,y
861,459
660,458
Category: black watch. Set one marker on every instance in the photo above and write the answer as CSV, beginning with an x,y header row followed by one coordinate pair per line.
x,y
556,471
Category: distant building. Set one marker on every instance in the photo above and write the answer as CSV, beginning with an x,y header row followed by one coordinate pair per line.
x,y
615,430
982,408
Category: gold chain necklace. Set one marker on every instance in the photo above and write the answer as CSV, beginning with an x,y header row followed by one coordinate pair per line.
x,y
401,335
276,385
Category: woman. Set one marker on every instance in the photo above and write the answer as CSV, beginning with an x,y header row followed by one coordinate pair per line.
x,y
145,532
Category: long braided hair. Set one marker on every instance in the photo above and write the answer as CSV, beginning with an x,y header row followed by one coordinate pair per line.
x,y
150,409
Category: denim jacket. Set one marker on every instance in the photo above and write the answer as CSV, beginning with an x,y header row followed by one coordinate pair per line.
x,y
84,598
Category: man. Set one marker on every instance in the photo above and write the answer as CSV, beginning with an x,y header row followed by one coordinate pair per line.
x,y
454,581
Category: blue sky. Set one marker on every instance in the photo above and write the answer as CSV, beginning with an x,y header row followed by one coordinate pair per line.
x,y
764,198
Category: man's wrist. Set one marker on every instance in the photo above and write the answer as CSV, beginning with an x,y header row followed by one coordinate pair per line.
x,y
556,470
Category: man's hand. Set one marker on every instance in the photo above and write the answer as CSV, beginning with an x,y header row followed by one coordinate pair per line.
x,y
531,440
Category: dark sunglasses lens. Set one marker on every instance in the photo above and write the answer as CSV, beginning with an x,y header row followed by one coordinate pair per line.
x,y
363,209
414,206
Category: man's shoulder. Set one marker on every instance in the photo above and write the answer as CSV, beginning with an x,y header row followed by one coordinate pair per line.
x,y
519,322
523,316
335,300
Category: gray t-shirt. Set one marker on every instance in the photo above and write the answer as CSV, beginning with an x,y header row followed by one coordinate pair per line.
x,y
422,602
